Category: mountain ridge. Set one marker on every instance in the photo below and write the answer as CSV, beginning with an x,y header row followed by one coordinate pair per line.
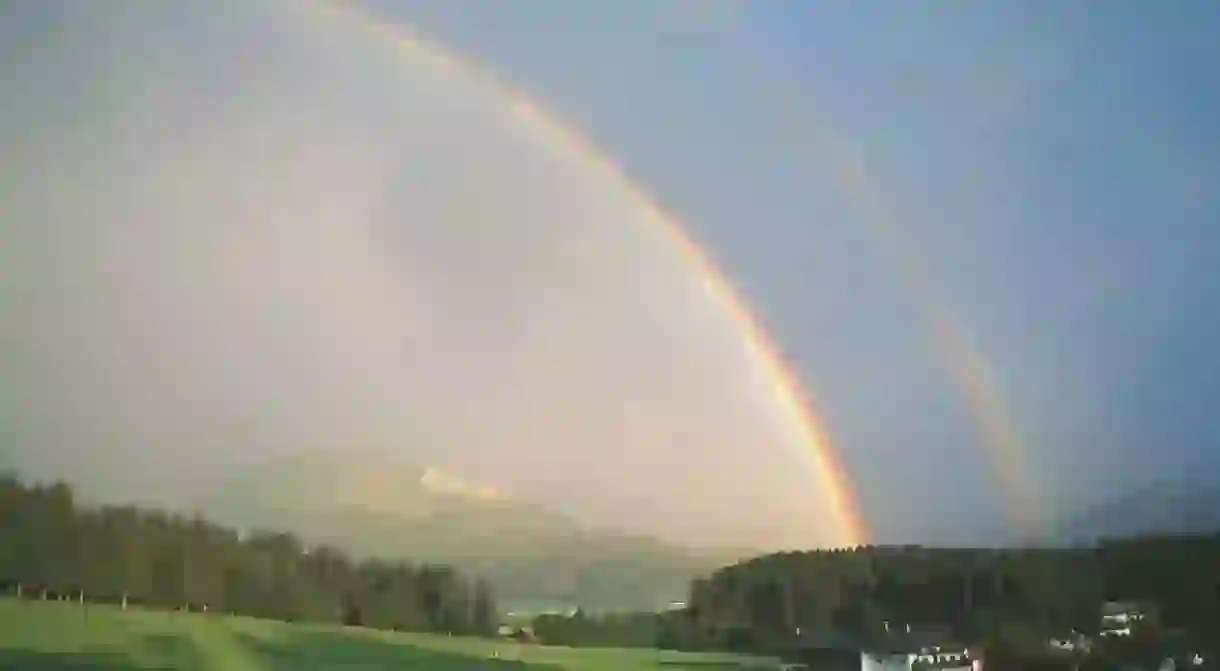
x,y
374,506
1161,508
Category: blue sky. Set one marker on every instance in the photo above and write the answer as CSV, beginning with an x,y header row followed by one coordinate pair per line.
x,y
1056,166
196,191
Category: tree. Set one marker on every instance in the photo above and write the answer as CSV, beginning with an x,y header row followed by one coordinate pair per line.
x,y
976,592
767,606
127,554
485,620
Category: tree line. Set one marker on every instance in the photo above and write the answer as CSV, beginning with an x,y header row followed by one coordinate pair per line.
x,y
1018,596
610,630
50,547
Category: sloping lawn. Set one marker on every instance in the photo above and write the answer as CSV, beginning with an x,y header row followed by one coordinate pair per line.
x,y
45,636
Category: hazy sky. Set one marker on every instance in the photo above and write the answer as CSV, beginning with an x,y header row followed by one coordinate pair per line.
x,y
236,231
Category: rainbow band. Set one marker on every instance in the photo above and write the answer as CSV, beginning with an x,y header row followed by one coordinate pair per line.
x,y
815,449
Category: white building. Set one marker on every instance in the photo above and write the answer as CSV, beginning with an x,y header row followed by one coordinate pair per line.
x,y
1117,618
886,662
1077,642
944,659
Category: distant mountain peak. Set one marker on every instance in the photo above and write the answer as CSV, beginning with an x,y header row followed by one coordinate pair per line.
x,y
438,482
1167,508
379,505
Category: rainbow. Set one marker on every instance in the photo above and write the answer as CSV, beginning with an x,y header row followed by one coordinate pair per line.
x,y
809,138
813,445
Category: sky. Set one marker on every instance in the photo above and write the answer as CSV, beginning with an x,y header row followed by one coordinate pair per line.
x,y
984,238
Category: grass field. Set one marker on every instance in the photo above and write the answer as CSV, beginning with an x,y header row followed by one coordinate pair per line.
x,y
44,636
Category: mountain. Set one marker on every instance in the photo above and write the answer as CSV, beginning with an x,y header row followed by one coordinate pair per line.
x,y
1163,509
369,505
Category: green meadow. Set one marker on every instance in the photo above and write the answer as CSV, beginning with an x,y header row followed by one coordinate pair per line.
x,y
42,636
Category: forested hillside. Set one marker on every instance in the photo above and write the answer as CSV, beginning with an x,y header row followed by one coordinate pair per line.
x,y
975,594
51,547
1005,600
